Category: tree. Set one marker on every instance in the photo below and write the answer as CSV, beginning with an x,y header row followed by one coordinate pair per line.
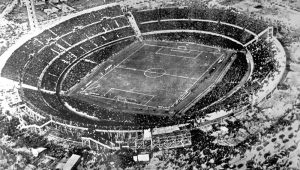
x,y
124,158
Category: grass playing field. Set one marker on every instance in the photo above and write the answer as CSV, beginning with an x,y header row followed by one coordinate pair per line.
x,y
153,76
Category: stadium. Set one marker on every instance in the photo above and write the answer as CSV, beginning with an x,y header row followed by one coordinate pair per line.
x,y
109,71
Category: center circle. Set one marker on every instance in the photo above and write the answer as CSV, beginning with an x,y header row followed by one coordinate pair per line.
x,y
154,72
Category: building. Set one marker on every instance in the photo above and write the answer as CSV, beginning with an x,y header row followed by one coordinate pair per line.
x,y
72,162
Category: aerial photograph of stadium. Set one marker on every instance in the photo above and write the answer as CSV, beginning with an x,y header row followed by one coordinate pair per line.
x,y
149,84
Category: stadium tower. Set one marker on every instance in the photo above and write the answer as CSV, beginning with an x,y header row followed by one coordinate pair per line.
x,y
31,14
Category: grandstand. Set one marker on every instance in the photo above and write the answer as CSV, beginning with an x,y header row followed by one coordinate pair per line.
x,y
103,69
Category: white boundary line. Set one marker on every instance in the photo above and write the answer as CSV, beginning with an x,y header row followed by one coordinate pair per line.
x,y
181,51
182,47
119,101
107,92
149,101
115,66
176,48
198,79
131,92
216,53
159,49
206,46
198,54
176,55
155,72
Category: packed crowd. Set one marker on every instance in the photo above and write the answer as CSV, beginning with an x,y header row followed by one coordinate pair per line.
x,y
202,11
29,60
113,118
263,57
85,66
264,66
50,106
36,66
230,80
86,19
236,101
203,154
49,103
217,28
207,39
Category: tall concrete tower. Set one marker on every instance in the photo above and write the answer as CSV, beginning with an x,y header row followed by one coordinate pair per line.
x,y
31,14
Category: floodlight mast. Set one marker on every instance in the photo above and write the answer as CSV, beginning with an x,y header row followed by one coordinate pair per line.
x,y
31,15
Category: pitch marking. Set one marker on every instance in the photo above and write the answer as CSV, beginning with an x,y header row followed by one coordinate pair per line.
x,y
175,55
158,52
181,51
130,92
198,54
149,101
193,50
126,68
115,67
198,79
105,98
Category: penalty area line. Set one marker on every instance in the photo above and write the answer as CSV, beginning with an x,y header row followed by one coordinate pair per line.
x,y
166,74
175,55
116,66
149,101
112,99
131,92
199,78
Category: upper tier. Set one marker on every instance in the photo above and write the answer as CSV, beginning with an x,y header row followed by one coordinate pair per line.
x,y
86,31
227,16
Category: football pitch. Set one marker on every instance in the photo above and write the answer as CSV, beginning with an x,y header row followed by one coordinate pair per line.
x,y
153,76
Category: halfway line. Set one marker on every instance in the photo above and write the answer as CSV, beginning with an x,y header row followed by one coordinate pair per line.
x,y
133,69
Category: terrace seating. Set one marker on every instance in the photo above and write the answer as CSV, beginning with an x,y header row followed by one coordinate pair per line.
x,y
202,12
39,62
239,99
79,41
77,72
112,118
229,31
54,41
196,38
86,19
84,67
264,62
230,80
36,102
15,63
